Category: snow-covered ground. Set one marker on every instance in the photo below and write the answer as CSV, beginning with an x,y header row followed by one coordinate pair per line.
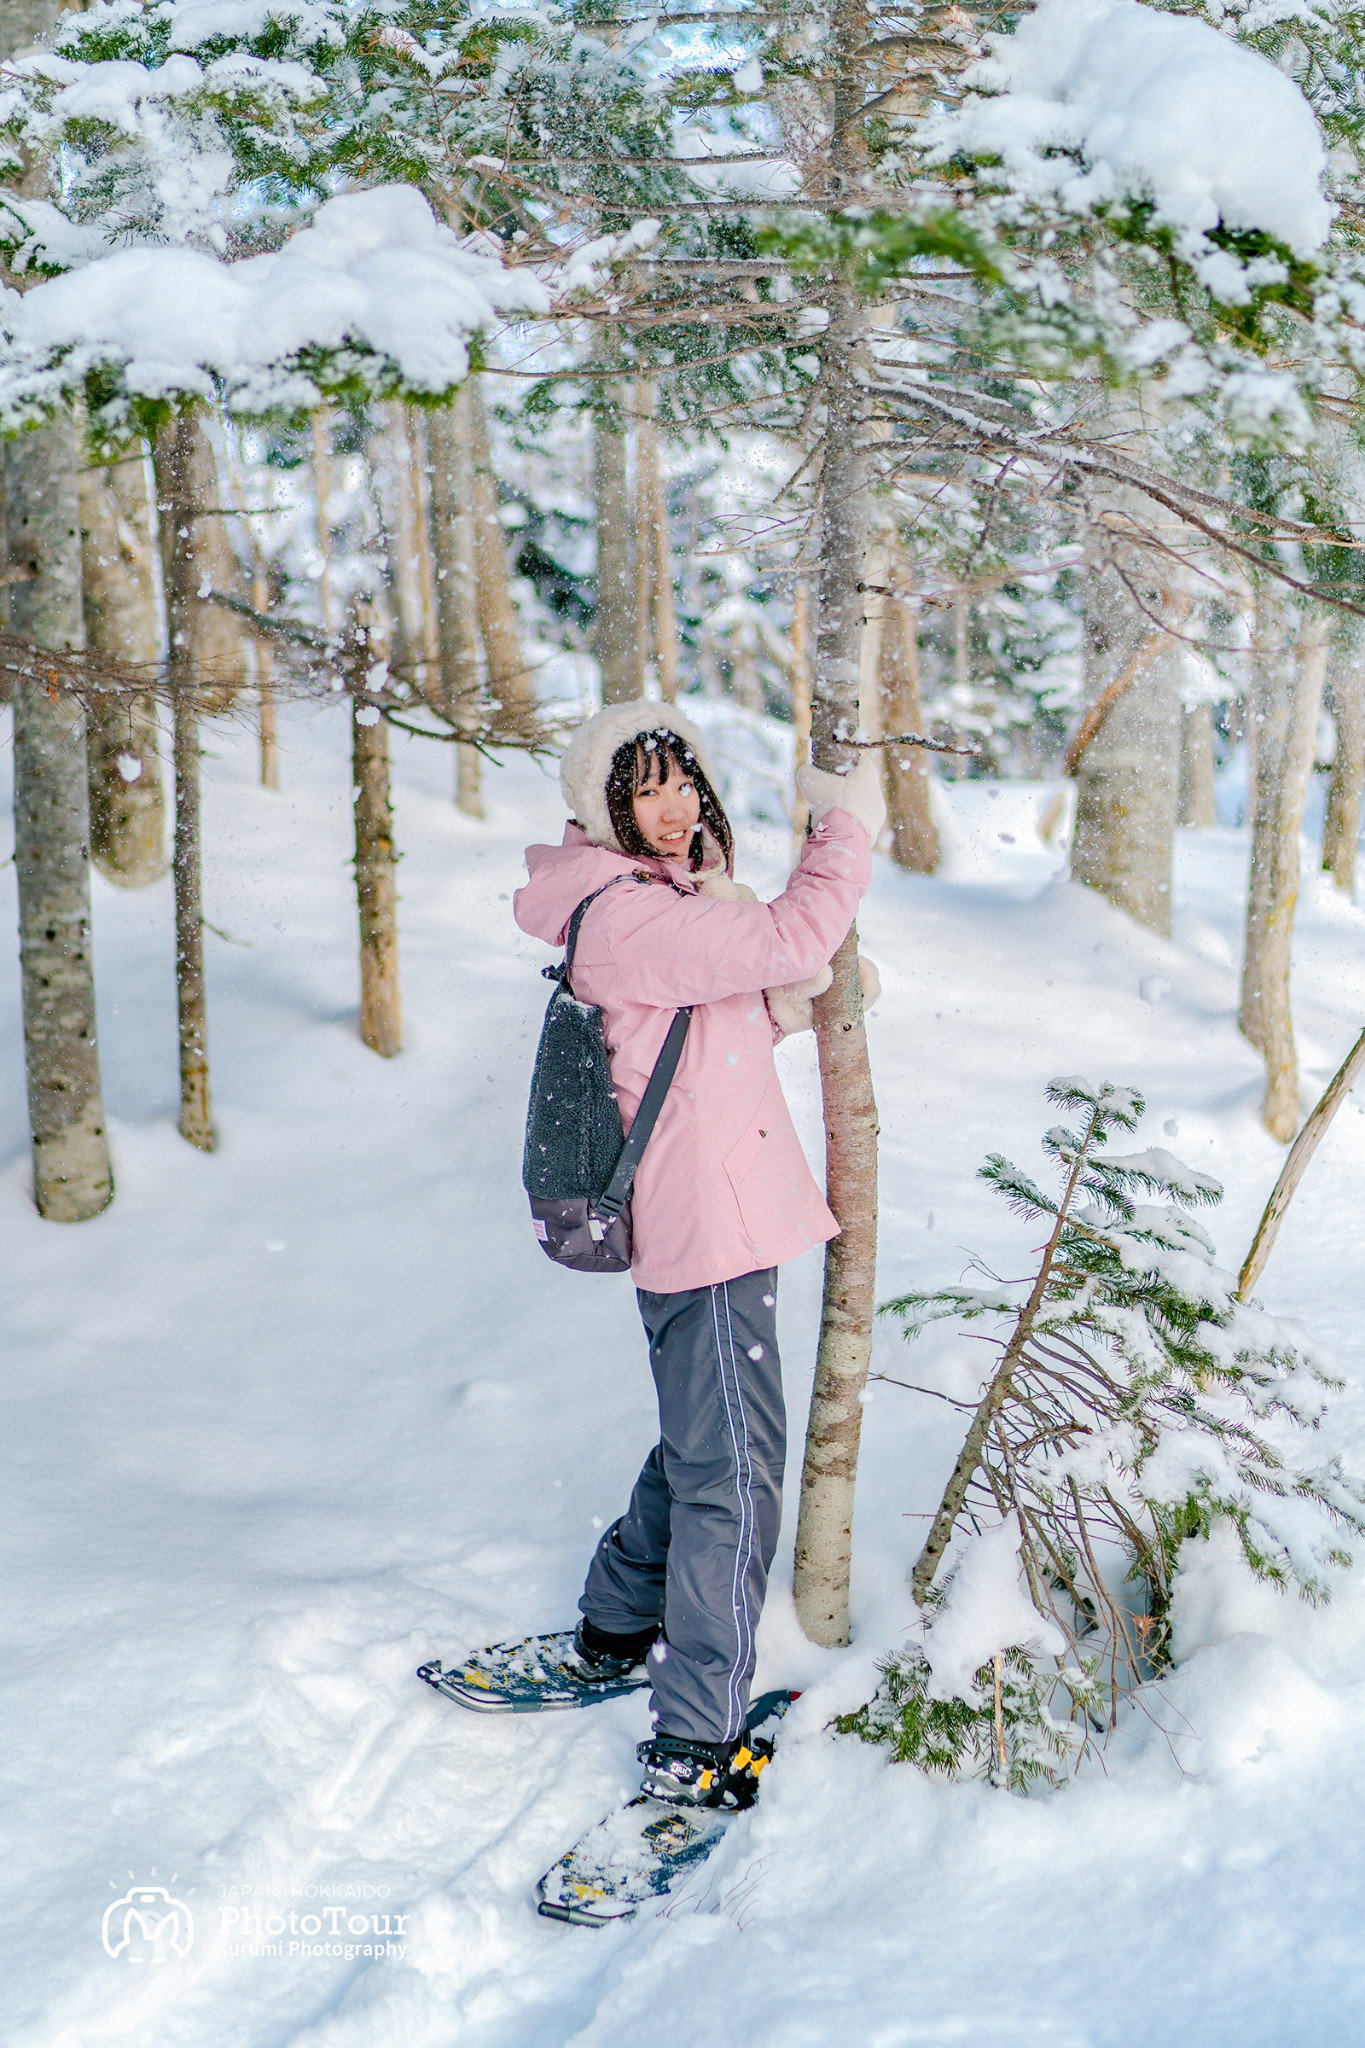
x,y
292,1418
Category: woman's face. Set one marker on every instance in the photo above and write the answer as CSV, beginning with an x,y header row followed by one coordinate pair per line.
x,y
667,812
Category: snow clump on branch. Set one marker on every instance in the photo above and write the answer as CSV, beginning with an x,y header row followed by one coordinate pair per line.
x,y
375,289
1090,102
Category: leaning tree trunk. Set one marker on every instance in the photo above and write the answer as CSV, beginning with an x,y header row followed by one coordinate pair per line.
x,y
1198,805
614,634
1341,825
1128,772
183,465
72,1177
122,618
381,1010
914,836
824,1533
509,679
1286,707
452,533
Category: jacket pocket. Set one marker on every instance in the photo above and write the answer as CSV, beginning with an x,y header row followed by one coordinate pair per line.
x,y
768,1172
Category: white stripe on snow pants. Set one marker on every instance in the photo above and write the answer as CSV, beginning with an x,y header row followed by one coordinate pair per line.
x,y
694,1547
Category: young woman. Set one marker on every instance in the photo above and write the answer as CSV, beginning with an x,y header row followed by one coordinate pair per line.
x,y
723,1194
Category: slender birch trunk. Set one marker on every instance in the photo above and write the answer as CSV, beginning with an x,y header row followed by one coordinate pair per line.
x,y
1286,706
1127,778
122,618
452,534
72,1177
1198,806
824,1534
509,680
381,1010
181,470
801,698
1341,825
914,836
614,639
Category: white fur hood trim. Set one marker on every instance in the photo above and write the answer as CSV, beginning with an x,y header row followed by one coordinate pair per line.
x,y
583,771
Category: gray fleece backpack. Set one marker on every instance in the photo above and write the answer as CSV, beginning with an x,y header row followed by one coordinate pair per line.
x,y
578,1165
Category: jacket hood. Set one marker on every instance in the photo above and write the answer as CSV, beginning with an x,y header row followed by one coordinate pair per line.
x,y
561,876
585,767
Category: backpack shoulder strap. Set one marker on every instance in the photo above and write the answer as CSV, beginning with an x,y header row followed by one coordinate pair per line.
x,y
571,935
616,1194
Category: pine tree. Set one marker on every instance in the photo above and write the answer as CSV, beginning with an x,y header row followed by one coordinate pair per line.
x,y
1136,1402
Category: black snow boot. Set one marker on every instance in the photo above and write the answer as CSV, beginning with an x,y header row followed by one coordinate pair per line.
x,y
602,1657
685,1773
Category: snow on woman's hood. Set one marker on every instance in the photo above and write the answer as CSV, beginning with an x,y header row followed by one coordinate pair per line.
x,y
561,876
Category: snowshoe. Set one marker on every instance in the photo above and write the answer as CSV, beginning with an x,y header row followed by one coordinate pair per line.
x,y
639,1852
720,1774
542,1674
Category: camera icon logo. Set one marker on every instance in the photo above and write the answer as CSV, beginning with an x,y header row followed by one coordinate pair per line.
x,y
147,1925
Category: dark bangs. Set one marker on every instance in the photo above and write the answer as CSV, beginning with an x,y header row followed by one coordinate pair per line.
x,y
623,779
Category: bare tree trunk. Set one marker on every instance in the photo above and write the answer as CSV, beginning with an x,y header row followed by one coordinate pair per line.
x,y
1341,825
614,640
1127,778
655,554
801,698
322,487
452,532
1198,806
179,458
509,680
72,1177
265,685
381,1010
824,1534
122,618
1287,704
914,836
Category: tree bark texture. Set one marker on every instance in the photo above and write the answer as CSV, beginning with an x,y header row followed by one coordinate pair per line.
x,y
1127,778
510,682
381,1009
183,468
656,608
1341,825
1288,673
1198,806
123,619
914,836
72,1176
801,685
614,637
322,490
265,686
453,550
824,1535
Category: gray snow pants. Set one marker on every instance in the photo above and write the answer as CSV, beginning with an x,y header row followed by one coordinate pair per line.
x,y
693,1548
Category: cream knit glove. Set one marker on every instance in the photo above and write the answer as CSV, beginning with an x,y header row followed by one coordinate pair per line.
x,y
859,793
792,1008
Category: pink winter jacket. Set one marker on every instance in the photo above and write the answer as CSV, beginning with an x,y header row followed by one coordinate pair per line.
x,y
724,1187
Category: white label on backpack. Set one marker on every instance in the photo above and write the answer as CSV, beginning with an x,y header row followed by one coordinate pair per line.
x,y
538,1225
